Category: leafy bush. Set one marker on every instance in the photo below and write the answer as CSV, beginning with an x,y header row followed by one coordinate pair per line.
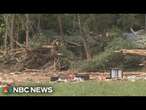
x,y
120,43
132,61
108,58
104,60
67,53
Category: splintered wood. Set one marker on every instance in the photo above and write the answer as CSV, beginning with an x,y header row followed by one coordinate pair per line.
x,y
32,70
48,46
133,52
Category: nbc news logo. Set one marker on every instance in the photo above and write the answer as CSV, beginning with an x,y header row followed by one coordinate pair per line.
x,y
10,88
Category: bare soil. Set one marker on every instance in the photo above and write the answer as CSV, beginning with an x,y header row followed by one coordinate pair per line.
x,y
40,76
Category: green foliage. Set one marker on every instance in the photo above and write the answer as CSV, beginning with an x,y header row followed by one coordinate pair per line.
x,y
108,58
140,42
67,53
103,61
45,27
120,43
132,62
2,28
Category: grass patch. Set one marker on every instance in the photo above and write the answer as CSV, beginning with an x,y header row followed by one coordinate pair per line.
x,y
93,88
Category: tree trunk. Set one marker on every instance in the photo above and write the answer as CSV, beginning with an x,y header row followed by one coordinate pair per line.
x,y
12,31
145,23
39,22
27,31
6,31
16,39
88,56
74,22
59,18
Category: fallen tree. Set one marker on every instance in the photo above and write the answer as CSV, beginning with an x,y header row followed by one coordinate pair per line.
x,y
132,52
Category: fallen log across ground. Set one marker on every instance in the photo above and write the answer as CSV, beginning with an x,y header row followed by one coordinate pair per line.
x,y
31,70
132,52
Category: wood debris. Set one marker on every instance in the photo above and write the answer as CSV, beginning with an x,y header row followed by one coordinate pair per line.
x,y
133,52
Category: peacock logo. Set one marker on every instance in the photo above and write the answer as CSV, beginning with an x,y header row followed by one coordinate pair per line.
x,y
6,87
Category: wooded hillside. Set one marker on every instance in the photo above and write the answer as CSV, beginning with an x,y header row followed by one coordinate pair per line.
x,y
85,42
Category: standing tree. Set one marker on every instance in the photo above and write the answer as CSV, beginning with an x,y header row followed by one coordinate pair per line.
x,y
59,19
38,22
88,56
12,31
145,23
27,30
6,16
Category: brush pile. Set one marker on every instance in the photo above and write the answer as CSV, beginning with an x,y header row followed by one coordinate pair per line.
x,y
44,58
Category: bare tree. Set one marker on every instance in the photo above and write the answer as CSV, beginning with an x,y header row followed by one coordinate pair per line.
x,y
27,30
59,19
39,22
88,56
12,31
6,31
145,22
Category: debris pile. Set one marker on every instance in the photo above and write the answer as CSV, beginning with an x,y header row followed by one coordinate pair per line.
x,y
66,76
70,77
135,76
44,58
